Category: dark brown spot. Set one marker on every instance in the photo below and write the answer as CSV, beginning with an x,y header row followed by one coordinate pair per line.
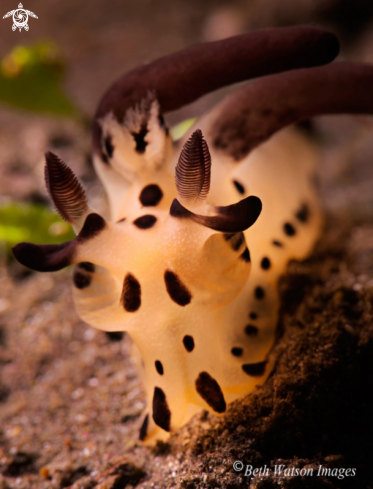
x,y
109,146
277,243
210,391
104,157
131,294
254,369
161,411
251,330
87,266
240,188
265,263
159,367
139,138
237,351
303,214
289,229
81,280
93,225
114,335
253,315
151,195
163,124
259,292
246,256
236,240
145,222
176,289
121,220
144,428
188,343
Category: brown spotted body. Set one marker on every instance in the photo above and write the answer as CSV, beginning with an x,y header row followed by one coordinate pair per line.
x,y
199,233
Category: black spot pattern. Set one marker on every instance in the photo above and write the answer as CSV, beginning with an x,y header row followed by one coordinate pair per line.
x,y
93,225
163,124
240,188
246,256
253,315
81,277
161,411
144,428
277,243
109,146
210,391
114,335
236,240
131,293
159,367
151,195
176,289
237,351
145,222
81,280
188,343
259,292
265,263
139,138
87,266
289,229
254,369
251,330
303,214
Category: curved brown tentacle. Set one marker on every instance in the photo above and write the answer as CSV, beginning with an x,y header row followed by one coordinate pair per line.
x,y
182,77
233,218
261,108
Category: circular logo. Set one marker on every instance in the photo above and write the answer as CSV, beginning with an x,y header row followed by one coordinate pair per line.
x,y
20,18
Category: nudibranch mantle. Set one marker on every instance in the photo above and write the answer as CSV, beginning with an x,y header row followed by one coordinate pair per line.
x,y
200,232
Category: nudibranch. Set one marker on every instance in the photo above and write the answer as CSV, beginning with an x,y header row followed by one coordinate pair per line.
x,y
199,232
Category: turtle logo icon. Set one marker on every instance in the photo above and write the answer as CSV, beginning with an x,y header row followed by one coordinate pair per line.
x,y
20,18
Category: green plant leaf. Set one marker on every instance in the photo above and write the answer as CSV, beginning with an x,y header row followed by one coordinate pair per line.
x,y
31,79
33,223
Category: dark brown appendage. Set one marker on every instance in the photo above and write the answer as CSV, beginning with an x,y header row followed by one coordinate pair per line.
x,y
161,411
50,258
64,189
230,219
44,258
182,77
259,109
193,171
210,391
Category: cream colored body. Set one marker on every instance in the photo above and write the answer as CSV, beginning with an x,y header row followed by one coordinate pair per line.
x,y
280,172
